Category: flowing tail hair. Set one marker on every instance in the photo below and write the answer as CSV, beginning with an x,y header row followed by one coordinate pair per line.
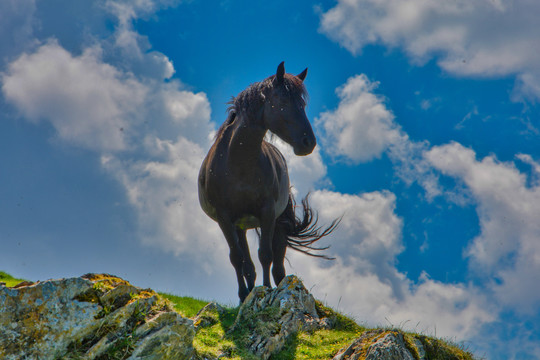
x,y
302,233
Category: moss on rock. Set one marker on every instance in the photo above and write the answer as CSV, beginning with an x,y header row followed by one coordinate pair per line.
x,y
96,316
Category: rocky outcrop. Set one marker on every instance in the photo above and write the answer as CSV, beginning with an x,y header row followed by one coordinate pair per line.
x,y
271,317
91,317
379,344
99,316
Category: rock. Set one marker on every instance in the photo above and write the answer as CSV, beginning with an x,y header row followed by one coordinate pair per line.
x,y
271,317
380,345
390,346
41,319
420,349
167,336
208,315
90,317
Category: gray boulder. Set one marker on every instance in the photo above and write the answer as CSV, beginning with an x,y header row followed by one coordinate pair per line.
x,y
270,317
381,345
90,317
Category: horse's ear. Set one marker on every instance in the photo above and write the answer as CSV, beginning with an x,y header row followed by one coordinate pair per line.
x,y
302,75
280,73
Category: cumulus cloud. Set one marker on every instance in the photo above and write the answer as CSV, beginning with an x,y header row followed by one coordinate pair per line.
x,y
162,189
469,38
364,281
128,44
507,249
174,110
361,128
127,10
89,103
449,310
149,133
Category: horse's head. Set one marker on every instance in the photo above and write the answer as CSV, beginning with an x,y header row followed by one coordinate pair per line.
x,y
284,113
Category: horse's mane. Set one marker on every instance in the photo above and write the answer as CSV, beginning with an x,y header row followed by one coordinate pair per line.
x,y
250,99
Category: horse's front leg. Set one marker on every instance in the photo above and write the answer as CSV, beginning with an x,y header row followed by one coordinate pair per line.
x,y
235,253
268,221
248,267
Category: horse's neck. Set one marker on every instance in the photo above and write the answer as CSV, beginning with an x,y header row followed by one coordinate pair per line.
x,y
245,141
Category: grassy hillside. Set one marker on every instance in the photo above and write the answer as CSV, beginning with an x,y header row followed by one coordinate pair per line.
x,y
216,337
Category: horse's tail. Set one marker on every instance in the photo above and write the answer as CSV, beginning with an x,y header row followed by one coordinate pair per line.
x,y
302,233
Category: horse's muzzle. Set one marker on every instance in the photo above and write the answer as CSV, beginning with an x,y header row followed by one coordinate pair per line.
x,y
306,146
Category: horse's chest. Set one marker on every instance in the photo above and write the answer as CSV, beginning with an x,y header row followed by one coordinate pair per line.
x,y
245,194
240,190
249,193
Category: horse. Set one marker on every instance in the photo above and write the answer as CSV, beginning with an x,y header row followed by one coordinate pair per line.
x,y
244,184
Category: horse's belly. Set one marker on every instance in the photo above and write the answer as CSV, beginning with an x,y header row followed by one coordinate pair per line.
x,y
247,222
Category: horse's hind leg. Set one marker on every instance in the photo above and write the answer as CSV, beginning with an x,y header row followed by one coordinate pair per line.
x,y
279,247
235,254
247,266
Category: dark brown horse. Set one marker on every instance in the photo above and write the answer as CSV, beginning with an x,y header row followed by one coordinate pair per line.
x,y
244,182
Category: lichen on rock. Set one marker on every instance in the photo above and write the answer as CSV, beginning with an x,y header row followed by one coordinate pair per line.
x,y
95,316
271,317
208,315
383,344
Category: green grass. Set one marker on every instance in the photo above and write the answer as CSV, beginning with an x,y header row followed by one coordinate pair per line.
x,y
185,305
440,349
9,280
216,336
321,344
215,339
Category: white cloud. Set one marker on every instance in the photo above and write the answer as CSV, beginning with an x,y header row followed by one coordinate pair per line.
x,y
177,110
507,248
369,234
128,10
469,38
90,103
149,133
364,281
361,128
527,86
369,224
135,48
103,98
163,189
535,167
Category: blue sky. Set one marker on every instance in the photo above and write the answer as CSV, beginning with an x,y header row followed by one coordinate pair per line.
x,y
427,119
